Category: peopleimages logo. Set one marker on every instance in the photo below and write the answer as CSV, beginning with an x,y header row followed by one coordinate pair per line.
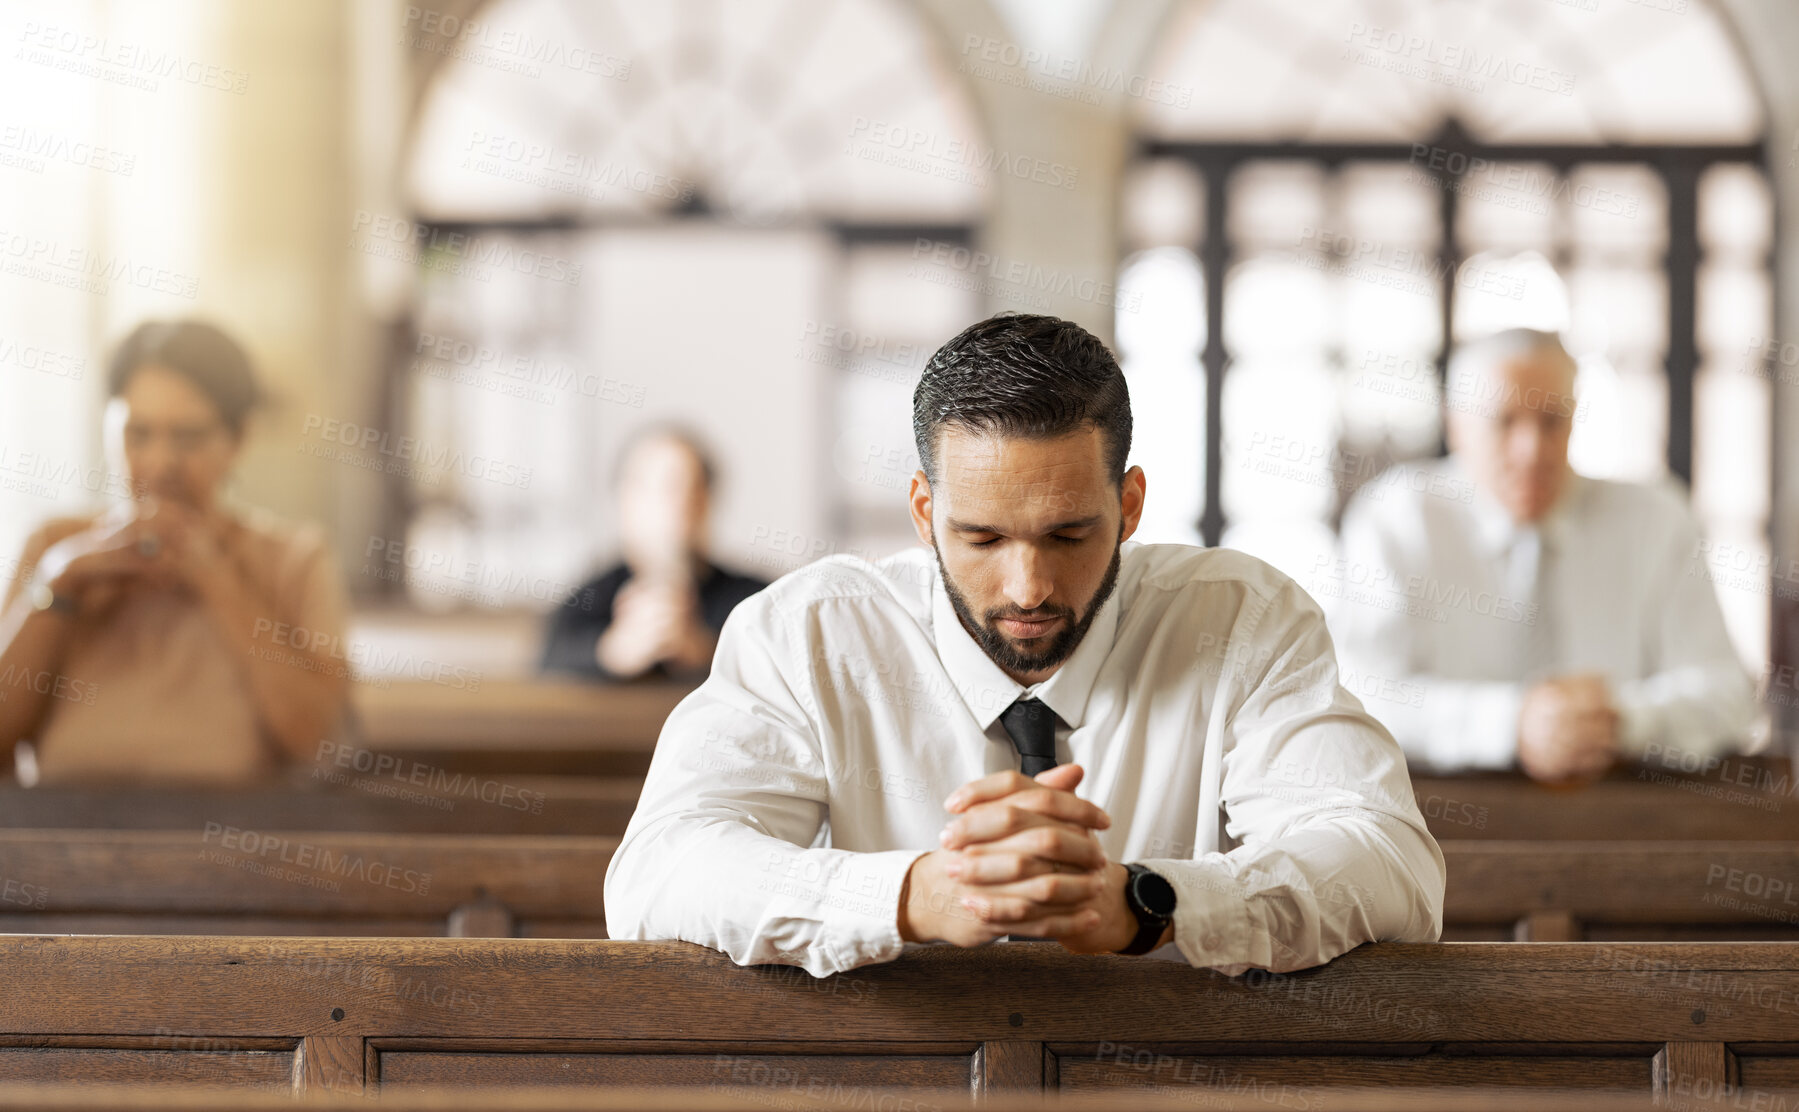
x,y
1061,75
128,64
454,252
516,374
32,357
71,266
1426,57
468,39
29,148
19,892
408,450
951,156
238,846
355,656
378,766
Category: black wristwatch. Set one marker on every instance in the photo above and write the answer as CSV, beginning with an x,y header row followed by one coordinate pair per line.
x,y
1151,899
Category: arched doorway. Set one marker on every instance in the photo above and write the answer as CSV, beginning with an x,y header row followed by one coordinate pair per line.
x,y
640,209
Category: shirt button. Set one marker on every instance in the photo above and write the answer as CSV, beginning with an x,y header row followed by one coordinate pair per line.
x,y
1210,941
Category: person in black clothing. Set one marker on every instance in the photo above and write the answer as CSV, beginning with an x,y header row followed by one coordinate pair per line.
x,y
657,612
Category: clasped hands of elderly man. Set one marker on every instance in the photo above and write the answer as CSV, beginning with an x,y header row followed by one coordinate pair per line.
x,y
1020,858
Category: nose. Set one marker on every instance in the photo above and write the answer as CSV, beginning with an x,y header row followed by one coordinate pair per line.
x,y
157,462
1526,443
1027,579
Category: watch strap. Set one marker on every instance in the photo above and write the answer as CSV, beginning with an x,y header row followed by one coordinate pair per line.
x,y
1150,924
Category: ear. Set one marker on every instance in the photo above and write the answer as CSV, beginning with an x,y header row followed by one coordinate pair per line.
x,y
1131,491
918,503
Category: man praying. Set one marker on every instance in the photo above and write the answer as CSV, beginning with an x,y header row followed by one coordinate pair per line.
x,y
1033,727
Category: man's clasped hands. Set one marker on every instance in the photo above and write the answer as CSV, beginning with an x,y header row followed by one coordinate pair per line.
x,y
1020,858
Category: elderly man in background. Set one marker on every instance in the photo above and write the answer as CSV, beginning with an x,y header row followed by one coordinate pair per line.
x,y
1518,612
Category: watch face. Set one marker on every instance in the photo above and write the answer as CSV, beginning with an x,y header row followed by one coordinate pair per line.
x,y
1154,893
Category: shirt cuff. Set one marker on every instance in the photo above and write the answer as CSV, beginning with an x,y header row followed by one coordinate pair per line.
x,y
1638,723
1490,729
861,908
1214,924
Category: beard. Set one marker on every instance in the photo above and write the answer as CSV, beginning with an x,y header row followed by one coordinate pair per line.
x,y
1003,650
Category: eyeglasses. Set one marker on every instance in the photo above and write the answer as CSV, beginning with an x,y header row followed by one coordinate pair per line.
x,y
184,439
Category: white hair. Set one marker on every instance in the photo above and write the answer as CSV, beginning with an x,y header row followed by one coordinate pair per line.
x,y
1480,357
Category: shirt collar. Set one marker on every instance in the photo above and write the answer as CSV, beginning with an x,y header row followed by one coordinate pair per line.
x,y
984,686
1558,524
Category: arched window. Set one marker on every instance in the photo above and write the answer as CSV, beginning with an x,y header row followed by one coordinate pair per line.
x,y
1363,183
640,209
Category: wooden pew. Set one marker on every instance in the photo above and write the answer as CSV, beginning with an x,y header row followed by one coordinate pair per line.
x,y
519,727
560,729
1640,891
228,880
395,804
556,729
552,729
1681,1021
1744,799
79,1097
402,799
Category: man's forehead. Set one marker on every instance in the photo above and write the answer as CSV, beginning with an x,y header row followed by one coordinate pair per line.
x,y
1544,359
990,449
1533,367
1043,482
1528,381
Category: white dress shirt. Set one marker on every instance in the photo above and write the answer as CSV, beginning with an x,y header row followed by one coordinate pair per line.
x,y
1442,623
792,790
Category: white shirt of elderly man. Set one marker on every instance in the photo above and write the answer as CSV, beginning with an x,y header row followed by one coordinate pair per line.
x,y
1495,608
1031,727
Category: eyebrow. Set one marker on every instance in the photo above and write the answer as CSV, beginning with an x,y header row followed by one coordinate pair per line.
x,y
966,527
141,426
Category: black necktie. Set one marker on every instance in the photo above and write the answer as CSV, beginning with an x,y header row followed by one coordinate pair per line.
x,y
1032,727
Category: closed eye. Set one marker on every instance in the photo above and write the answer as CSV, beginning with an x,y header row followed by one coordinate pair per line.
x,y
1057,536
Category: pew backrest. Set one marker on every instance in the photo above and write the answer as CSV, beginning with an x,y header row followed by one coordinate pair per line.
x,y
226,879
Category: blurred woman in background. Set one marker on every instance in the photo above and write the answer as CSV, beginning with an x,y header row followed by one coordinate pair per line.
x,y
171,638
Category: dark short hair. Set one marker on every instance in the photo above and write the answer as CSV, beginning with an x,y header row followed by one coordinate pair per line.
x,y
680,433
201,353
1019,374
